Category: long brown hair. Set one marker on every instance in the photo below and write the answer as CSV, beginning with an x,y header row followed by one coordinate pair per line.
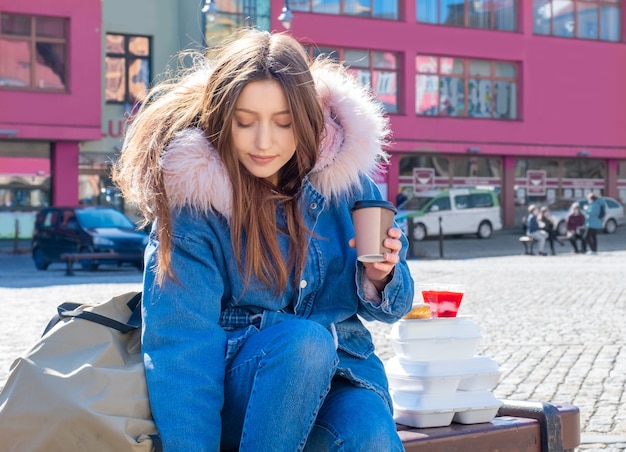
x,y
208,103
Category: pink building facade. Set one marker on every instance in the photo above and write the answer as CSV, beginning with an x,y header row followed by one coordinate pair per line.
x,y
515,104
556,125
50,100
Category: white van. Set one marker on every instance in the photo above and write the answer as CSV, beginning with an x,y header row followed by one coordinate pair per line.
x,y
462,211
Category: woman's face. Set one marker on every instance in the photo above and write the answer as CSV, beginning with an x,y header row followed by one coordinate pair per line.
x,y
262,130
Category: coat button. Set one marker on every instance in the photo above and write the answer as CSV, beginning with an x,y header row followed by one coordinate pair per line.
x,y
313,206
303,284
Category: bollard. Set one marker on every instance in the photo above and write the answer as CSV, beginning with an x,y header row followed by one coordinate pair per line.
x,y
16,240
440,239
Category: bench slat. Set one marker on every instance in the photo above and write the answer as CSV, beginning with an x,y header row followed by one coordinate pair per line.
x,y
520,426
503,434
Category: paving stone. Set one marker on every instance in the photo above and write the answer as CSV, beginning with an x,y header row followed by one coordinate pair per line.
x,y
555,325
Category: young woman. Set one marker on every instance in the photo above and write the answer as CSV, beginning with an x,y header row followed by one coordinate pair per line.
x,y
533,230
253,295
546,223
576,227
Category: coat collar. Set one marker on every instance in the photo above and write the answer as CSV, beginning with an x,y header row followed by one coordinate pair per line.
x,y
355,129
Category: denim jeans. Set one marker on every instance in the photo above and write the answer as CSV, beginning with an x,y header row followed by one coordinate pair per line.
x,y
353,419
275,385
540,236
592,239
277,397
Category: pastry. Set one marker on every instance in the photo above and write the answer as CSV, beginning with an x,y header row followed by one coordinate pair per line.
x,y
421,311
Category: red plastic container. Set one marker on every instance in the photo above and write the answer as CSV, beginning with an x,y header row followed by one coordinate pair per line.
x,y
444,300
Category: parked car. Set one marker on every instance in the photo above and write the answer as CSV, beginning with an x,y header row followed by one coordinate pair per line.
x,y
462,211
60,230
614,213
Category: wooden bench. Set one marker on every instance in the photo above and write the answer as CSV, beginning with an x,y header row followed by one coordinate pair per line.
x,y
528,243
71,258
519,426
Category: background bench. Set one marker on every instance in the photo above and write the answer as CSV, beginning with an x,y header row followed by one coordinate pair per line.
x,y
528,243
71,258
519,426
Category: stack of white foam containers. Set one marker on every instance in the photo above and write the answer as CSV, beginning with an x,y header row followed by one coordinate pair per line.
x,y
436,378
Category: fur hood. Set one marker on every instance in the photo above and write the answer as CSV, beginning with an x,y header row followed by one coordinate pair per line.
x,y
355,132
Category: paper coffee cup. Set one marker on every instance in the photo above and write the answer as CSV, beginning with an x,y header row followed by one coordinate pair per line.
x,y
372,219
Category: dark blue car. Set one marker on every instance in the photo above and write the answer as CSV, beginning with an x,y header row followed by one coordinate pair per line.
x,y
60,230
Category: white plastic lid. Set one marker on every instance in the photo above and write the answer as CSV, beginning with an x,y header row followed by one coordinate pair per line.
x,y
402,368
448,327
457,401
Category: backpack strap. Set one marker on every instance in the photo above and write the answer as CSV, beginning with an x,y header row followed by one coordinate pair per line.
x,y
70,309
157,444
134,304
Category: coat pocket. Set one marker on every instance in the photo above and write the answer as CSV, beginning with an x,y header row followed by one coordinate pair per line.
x,y
236,339
356,342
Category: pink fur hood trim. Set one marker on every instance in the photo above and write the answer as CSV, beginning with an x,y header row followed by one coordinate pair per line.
x,y
355,133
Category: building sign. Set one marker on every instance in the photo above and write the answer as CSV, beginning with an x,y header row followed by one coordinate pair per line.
x,y
423,179
536,182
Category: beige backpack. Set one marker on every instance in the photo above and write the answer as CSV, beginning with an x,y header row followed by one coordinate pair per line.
x,y
82,386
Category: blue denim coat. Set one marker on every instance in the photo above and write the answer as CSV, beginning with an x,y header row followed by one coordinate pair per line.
x,y
592,214
193,326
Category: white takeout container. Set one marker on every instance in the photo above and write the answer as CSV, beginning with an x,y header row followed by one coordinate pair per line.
x,y
438,410
442,327
430,377
476,415
432,349
483,375
423,419
442,376
435,339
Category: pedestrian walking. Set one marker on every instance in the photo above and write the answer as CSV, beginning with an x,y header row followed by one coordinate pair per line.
x,y
595,212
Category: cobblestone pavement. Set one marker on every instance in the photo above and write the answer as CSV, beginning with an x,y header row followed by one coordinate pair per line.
x,y
554,324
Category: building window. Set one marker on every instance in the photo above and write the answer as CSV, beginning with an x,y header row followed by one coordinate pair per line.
x,y
378,70
234,15
490,14
377,9
448,86
546,180
584,19
33,52
127,69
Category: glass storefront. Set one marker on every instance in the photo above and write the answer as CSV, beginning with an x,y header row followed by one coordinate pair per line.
x,y
540,181
25,185
95,187
421,172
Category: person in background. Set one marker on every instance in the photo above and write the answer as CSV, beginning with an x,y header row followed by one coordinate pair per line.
x,y
534,231
546,223
593,221
248,167
401,197
575,222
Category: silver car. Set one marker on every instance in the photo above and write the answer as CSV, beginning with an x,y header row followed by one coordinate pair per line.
x,y
614,213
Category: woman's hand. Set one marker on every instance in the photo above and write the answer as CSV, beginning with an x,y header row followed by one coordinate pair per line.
x,y
378,272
